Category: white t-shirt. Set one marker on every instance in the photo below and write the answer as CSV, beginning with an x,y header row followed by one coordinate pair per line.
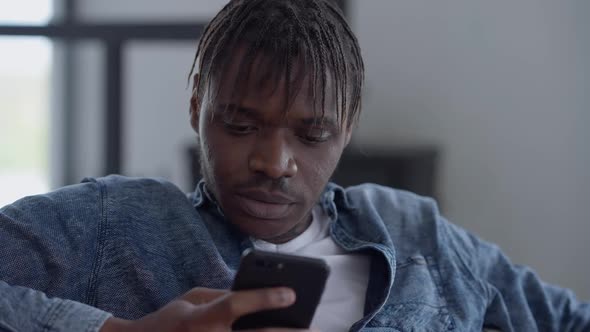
x,y
343,301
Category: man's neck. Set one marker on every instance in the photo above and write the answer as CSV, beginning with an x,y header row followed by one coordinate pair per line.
x,y
293,232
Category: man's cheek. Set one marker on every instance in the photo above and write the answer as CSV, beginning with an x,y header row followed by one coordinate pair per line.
x,y
228,159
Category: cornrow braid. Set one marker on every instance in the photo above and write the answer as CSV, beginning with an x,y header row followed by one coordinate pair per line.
x,y
299,38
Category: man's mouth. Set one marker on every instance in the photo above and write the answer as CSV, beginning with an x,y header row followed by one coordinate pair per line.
x,y
264,205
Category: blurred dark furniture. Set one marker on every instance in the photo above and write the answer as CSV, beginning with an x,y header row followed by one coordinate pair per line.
x,y
412,169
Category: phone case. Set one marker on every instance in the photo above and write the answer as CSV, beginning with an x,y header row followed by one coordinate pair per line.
x,y
306,276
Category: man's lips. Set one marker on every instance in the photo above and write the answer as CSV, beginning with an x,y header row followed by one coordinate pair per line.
x,y
263,204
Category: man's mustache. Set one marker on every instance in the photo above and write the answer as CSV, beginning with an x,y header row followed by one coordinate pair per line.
x,y
260,181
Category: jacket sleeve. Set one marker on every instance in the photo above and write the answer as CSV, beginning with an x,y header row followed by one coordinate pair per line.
x,y
517,299
24,309
48,260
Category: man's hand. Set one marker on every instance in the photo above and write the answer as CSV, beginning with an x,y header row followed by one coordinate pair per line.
x,y
203,309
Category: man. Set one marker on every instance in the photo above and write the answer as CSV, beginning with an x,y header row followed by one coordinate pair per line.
x,y
276,97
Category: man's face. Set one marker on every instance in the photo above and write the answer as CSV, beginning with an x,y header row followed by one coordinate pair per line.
x,y
267,167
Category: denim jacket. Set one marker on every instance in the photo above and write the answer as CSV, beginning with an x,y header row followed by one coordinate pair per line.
x,y
122,246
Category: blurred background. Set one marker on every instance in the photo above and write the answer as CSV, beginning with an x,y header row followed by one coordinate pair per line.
x,y
484,105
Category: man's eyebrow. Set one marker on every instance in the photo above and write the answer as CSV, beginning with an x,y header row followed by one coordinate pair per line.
x,y
326,121
234,108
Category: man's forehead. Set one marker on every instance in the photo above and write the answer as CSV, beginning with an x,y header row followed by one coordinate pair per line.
x,y
261,75
263,79
260,83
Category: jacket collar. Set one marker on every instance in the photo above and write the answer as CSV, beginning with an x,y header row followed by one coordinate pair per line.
x,y
346,229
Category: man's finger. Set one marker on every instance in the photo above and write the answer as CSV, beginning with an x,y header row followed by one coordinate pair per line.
x,y
201,295
240,303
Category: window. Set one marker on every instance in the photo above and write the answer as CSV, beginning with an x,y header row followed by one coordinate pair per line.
x,y
21,12
24,102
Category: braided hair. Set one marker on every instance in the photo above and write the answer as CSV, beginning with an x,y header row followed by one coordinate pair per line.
x,y
298,38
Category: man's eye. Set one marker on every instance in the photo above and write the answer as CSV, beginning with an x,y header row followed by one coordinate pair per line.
x,y
315,137
237,128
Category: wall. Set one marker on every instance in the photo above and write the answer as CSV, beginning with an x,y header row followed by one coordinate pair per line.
x,y
498,86
157,128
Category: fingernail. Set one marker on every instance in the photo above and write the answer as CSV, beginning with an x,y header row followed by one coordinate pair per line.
x,y
286,296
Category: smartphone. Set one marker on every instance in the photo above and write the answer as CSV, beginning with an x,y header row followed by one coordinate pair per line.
x,y
306,276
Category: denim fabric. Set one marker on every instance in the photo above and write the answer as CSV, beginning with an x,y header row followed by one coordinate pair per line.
x,y
129,246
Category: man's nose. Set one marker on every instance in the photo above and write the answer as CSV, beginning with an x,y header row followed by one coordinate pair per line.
x,y
272,156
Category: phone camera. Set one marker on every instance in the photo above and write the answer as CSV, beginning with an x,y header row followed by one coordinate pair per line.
x,y
261,263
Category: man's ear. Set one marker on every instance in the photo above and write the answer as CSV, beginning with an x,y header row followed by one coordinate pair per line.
x,y
195,106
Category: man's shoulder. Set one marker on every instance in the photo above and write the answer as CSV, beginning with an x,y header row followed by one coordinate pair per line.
x,y
142,192
387,199
408,218
136,184
94,192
